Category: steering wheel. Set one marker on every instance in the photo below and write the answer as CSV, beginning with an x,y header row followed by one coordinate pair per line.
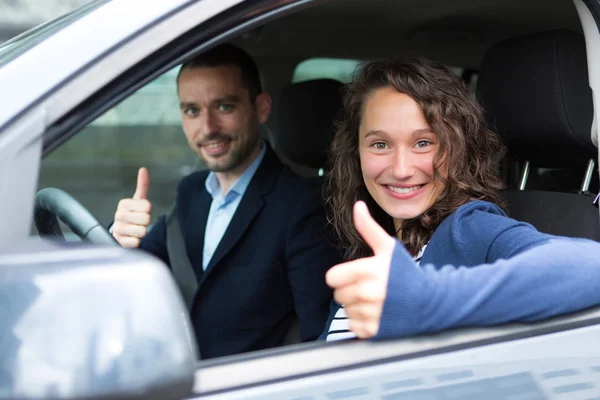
x,y
53,204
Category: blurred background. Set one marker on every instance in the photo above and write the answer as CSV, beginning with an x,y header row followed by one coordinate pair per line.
x,y
17,16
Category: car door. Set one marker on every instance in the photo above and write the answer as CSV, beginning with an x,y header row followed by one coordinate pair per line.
x,y
557,359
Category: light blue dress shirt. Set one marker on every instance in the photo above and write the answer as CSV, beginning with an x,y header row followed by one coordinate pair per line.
x,y
223,206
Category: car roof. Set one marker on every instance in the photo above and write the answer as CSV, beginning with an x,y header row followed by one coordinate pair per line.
x,y
454,33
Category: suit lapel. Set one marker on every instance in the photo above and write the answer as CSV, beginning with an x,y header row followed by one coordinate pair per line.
x,y
252,202
194,224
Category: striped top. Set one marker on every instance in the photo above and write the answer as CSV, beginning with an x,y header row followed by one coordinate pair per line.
x,y
340,326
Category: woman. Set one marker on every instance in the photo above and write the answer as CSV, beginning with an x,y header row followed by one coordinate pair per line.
x,y
439,251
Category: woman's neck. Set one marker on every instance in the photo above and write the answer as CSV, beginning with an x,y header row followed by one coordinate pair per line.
x,y
398,228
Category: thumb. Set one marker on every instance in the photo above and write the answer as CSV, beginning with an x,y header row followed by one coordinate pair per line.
x,y
373,234
143,183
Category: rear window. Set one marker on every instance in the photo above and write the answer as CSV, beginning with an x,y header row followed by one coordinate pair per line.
x,y
343,70
333,68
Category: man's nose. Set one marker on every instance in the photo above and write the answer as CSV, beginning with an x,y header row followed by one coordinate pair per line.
x,y
208,123
403,165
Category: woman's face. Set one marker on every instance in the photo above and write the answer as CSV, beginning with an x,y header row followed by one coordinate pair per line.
x,y
397,147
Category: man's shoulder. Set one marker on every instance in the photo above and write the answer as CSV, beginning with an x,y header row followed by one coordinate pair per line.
x,y
192,184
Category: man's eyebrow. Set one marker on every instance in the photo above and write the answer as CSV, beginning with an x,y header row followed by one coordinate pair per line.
x,y
227,99
187,104
220,100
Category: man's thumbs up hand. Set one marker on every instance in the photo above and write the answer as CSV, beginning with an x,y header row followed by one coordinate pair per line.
x,y
133,215
143,183
361,285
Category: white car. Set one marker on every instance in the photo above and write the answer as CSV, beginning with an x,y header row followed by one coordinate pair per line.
x,y
92,320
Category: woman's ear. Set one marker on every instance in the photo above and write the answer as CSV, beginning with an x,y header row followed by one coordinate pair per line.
x,y
263,107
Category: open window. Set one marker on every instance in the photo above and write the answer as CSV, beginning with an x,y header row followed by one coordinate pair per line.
x,y
99,165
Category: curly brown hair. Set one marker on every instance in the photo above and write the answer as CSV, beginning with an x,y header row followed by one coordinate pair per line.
x,y
471,153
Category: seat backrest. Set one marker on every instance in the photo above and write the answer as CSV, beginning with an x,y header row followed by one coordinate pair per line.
x,y
561,214
304,128
304,123
536,94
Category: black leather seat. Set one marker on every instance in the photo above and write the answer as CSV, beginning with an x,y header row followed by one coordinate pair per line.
x,y
304,128
536,94
304,125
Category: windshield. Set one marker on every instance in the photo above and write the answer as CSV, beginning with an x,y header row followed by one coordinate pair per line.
x,y
20,44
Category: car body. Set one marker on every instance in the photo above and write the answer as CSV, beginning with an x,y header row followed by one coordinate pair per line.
x,y
59,78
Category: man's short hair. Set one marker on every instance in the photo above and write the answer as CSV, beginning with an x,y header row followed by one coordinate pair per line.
x,y
229,55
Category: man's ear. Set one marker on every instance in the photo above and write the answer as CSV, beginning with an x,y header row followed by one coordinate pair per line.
x,y
263,107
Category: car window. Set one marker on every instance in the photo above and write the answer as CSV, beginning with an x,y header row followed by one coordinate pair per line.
x,y
342,69
18,45
99,165
317,68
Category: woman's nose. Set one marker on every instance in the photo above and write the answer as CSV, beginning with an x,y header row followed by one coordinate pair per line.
x,y
403,166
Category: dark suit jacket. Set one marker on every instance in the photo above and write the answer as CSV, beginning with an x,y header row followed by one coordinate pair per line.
x,y
269,266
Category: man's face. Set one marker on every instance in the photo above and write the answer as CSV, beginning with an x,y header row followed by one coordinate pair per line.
x,y
220,121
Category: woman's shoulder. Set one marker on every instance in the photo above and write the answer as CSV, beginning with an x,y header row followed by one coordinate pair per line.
x,y
472,233
477,208
476,216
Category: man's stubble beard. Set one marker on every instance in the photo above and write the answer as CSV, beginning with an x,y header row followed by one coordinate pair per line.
x,y
236,156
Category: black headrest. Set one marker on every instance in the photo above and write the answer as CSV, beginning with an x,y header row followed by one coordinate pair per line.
x,y
536,93
305,120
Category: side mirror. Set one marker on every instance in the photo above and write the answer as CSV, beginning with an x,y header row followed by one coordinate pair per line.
x,y
82,322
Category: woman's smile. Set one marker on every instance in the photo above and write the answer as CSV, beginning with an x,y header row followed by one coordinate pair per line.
x,y
404,193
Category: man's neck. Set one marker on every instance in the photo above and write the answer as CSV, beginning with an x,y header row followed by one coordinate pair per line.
x,y
228,179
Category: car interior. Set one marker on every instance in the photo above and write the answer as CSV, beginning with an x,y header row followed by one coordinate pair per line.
x,y
486,43
524,60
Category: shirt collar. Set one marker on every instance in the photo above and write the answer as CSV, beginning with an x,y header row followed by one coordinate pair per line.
x,y
241,184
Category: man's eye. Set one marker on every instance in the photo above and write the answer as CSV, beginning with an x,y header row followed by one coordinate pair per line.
x,y
191,111
225,107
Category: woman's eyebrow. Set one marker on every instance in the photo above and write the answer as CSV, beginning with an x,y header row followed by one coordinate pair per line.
x,y
375,132
378,132
422,131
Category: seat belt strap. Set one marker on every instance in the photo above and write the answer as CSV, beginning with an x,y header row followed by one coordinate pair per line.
x,y
181,267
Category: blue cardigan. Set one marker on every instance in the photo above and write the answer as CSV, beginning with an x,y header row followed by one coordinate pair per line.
x,y
482,268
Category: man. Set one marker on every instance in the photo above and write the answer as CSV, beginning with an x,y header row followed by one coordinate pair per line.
x,y
254,232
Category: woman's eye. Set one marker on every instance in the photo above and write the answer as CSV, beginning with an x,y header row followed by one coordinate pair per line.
x,y
225,107
379,145
422,143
